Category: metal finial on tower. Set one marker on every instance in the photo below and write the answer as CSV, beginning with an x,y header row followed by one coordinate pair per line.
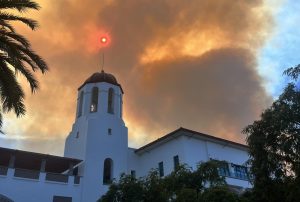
x,y
102,68
104,41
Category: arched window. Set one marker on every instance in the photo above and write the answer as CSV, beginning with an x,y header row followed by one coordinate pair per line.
x,y
94,100
80,104
107,171
110,107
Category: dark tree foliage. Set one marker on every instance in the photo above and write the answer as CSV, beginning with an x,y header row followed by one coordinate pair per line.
x,y
187,195
128,189
182,185
16,56
274,146
154,187
183,177
219,194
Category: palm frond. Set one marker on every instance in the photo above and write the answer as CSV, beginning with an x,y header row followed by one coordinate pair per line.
x,y
12,95
20,5
40,62
1,118
22,53
24,72
15,36
27,21
16,57
6,25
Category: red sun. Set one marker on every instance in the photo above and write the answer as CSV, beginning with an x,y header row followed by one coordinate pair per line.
x,y
103,39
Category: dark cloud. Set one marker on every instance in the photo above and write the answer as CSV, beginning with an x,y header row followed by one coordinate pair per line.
x,y
218,92
181,63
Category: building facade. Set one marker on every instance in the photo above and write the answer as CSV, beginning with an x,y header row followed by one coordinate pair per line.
x,y
96,153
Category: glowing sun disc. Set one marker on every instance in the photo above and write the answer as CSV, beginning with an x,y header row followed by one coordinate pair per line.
x,y
103,40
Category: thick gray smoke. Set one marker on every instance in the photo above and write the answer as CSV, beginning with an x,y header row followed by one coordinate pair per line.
x,y
181,63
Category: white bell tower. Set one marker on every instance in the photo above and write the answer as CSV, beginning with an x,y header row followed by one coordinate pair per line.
x,y
99,136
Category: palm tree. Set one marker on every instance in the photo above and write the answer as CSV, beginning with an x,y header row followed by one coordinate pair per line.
x,y
16,56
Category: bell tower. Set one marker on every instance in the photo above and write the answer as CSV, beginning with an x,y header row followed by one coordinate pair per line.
x,y
99,136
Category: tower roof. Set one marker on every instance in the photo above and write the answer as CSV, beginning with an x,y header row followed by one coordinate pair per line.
x,y
102,76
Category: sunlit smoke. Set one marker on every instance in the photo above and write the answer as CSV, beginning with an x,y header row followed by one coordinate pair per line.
x,y
190,64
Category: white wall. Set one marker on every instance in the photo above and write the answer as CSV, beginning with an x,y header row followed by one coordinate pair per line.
x,y
203,150
28,190
165,153
94,144
133,162
191,151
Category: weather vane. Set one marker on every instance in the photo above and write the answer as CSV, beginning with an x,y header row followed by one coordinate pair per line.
x,y
104,43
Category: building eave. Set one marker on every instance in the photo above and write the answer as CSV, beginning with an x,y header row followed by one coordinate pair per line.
x,y
32,160
119,85
189,133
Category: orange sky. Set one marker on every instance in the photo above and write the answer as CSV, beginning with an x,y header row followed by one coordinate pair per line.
x,y
180,64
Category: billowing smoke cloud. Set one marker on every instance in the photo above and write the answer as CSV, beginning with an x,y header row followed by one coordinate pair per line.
x,y
181,63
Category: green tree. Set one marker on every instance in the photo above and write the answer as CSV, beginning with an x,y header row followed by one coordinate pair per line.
x,y
219,194
274,146
183,178
182,185
208,174
187,195
155,189
16,56
128,189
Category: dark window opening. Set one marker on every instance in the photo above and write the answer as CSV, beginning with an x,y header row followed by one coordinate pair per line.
x,y
107,171
94,100
62,199
77,135
133,173
109,131
161,169
75,171
110,106
176,162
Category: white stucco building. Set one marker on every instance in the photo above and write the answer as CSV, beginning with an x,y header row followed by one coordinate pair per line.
x,y
96,152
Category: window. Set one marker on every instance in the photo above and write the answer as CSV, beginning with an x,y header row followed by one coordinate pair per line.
x,y
109,131
132,173
240,172
80,104
62,199
110,106
176,162
77,134
94,100
161,169
75,171
223,169
107,171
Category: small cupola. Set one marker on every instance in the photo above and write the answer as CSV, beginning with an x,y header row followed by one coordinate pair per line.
x,y
102,76
100,94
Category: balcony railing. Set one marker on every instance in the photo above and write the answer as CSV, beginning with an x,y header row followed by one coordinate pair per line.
x,y
3,170
241,176
29,174
56,177
34,174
